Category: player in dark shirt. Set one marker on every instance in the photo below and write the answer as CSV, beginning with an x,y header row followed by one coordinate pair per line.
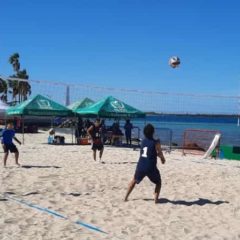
x,y
147,163
128,131
95,133
8,135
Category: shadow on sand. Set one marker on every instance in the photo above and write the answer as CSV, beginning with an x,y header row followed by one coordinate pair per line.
x,y
36,166
121,162
64,144
199,202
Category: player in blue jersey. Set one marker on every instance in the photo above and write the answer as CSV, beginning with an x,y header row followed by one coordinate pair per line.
x,y
8,135
147,163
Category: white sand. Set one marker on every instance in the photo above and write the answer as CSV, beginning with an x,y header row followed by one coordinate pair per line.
x,y
181,215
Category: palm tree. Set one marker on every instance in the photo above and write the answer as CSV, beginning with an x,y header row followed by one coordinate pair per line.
x,y
24,87
3,90
19,88
13,85
14,60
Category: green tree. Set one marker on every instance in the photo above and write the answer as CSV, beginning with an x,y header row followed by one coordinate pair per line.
x,y
20,89
24,88
3,90
14,61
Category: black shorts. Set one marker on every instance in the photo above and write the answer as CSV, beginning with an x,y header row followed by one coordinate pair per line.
x,y
97,146
154,176
10,147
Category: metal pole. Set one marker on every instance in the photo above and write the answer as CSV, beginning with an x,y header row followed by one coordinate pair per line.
x,y
72,134
170,140
67,102
22,129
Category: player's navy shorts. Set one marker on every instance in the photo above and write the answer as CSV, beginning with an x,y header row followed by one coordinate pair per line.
x,y
154,176
10,147
97,146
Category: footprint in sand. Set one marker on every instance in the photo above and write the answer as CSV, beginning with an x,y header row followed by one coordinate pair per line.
x,y
3,199
30,193
75,194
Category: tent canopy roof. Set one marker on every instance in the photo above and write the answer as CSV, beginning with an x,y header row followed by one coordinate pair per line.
x,y
39,106
111,107
86,102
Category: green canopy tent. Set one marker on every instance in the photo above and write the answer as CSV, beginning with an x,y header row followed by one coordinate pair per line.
x,y
111,107
38,106
86,102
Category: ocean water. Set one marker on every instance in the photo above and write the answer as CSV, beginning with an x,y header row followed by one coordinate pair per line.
x,y
178,124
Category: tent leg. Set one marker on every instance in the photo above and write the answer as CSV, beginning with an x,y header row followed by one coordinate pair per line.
x,y
22,129
72,135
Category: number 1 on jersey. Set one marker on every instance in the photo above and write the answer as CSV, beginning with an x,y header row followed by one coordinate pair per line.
x,y
145,152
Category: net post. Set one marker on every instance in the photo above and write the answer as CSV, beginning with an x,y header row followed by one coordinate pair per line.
x,y
67,100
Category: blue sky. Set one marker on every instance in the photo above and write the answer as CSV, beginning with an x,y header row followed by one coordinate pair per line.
x,y
126,43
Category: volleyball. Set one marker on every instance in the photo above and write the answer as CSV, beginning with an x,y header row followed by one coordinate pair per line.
x,y
174,62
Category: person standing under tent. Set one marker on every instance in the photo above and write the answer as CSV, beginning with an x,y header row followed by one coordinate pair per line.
x,y
79,128
128,131
116,133
86,125
103,131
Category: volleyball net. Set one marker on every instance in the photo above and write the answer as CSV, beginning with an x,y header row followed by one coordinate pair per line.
x,y
149,101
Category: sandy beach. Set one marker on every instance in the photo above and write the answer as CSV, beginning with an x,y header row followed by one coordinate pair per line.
x,y
200,199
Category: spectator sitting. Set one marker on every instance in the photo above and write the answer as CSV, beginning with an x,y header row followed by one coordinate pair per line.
x,y
51,136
